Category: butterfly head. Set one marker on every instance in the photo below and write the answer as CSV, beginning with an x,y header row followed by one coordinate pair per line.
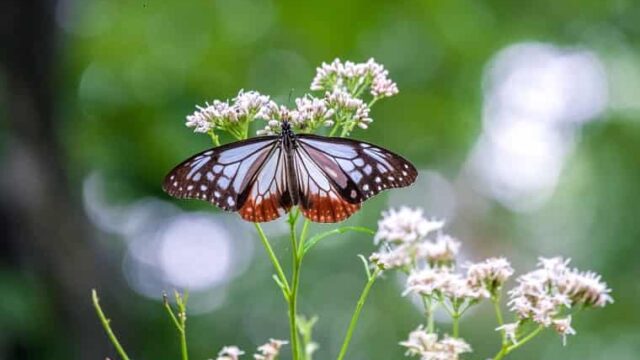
x,y
285,128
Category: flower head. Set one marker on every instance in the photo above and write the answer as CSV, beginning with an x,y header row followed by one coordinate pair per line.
x,y
442,251
270,350
311,112
542,294
490,274
427,346
230,353
405,225
227,115
354,78
344,104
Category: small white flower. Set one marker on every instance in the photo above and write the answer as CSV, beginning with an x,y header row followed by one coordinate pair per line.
x,y
419,341
311,112
586,288
394,258
250,102
510,331
490,274
405,226
383,87
455,346
200,121
563,327
441,251
230,353
270,350
542,294
328,76
427,346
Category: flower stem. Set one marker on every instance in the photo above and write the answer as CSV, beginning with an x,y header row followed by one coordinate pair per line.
x,y
496,306
107,327
456,324
293,294
273,257
505,350
356,313
429,310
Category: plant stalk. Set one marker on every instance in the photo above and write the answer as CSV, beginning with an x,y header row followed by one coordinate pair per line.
x,y
107,327
356,313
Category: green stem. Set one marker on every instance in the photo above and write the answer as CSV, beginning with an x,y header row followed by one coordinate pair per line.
x,y
456,324
428,311
107,326
273,257
214,138
496,306
505,350
295,280
356,313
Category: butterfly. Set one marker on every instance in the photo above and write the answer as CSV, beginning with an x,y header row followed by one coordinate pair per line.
x,y
262,178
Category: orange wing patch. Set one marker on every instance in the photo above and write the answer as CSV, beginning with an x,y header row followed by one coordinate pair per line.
x,y
262,209
328,209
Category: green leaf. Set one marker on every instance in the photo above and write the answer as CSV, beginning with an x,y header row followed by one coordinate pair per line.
x,y
314,240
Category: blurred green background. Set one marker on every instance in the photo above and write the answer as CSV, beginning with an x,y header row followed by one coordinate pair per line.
x,y
524,118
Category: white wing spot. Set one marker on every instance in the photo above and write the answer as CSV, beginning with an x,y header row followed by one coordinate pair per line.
x,y
175,183
209,176
203,187
190,187
353,194
230,201
365,145
172,177
404,173
217,169
366,187
359,162
223,182
367,169
208,152
391,178
406,166
197,176
378,179
216,194
356,176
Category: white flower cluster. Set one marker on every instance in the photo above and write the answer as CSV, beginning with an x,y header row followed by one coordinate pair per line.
x,y
542,294
428,347
223,114
489,274
354,78
403,238
345,104
268,351
230,353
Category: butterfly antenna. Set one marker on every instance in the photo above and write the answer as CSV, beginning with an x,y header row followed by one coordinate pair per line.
x,y
290,96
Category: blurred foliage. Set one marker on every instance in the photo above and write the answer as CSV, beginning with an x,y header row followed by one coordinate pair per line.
x,y
129,71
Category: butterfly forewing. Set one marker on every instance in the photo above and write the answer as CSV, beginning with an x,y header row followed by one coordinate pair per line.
x,y
358,169
221,175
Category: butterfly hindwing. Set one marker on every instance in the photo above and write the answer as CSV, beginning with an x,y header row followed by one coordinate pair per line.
x,y
221,175
358,169
268,196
